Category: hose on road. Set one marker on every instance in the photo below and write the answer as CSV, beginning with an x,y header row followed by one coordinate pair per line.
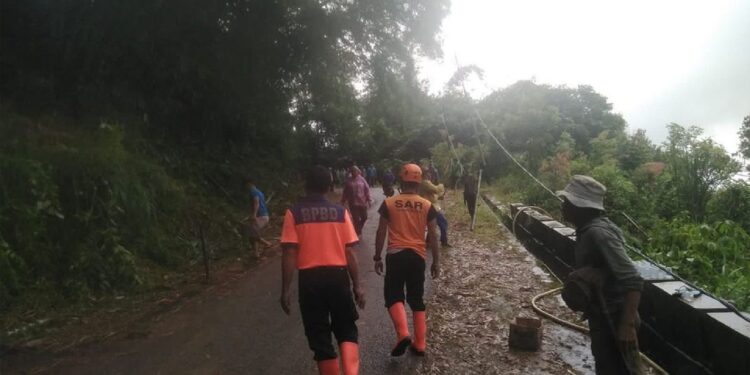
x,y
550,292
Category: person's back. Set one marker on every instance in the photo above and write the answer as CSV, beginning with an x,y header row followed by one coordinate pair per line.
x,y
357,195
470,184
404,219
317,242
408,215
357,191
387,182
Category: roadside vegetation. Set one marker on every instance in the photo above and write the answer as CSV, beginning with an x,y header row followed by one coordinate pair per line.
x,y
126,129
689,211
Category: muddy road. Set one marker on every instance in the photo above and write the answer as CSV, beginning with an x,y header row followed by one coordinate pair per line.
x,y
233,329
237,327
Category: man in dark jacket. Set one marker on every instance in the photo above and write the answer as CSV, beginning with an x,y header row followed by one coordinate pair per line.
x,y
600,246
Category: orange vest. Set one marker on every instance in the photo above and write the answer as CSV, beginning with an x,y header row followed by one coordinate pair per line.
x,y
321,230
407,215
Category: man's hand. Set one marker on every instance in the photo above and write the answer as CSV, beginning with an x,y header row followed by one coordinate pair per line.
x,y
627,337
435,270
379,267
359,296
286,302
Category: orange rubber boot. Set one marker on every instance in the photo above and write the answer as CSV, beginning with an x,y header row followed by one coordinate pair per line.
x,y
350,357
398,315
328,367
420,333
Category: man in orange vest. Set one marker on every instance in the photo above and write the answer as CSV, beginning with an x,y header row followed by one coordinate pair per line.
x,y
317,239
405,218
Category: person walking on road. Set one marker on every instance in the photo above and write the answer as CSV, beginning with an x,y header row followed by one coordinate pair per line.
x,y
317,239
470,193
404,218
432,192
602,265
356,196
387,181
258,214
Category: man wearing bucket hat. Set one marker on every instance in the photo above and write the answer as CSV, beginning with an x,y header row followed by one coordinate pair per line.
x,y
600,246
405,218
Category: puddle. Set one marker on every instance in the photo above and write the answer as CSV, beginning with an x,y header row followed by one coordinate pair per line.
x,y
571,346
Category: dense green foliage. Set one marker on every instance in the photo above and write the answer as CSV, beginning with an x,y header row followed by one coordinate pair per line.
x,y
714,255
680,193
126,124
203,93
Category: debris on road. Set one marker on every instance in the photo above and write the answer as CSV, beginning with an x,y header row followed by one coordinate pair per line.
x,y
488,280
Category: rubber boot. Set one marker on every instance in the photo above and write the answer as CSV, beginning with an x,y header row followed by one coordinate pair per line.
x,y
350,357
328,367
398,315
419,345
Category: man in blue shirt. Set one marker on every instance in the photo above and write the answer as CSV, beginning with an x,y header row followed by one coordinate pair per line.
x,y
258,214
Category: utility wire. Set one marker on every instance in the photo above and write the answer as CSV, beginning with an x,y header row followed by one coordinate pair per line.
x,y
630,219
450,142
505,150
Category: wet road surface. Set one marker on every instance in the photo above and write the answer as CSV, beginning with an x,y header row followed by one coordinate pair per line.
x,y
242,330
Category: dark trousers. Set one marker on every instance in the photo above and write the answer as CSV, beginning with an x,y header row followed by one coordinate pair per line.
x,y
470,199
327,306
359,217
604,346
442,223
404,269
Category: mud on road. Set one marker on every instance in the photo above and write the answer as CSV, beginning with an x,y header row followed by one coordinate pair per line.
x,y
489,279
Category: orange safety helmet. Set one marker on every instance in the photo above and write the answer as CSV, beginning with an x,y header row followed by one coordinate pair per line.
x,y
411,173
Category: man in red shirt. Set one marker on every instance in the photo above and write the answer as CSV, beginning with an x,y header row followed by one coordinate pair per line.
x,y
405,218
317,239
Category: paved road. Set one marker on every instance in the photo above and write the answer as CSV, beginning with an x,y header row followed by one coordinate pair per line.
x,y
243,331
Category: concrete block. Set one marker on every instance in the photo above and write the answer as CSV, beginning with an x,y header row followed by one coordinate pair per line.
x,y
525,334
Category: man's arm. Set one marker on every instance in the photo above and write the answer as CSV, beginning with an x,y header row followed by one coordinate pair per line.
x,y
432,243
353,266
288,266
625,274
256,207
626,330
379,243
428,187
367,194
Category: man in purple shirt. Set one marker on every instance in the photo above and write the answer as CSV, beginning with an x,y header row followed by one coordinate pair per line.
x,y
356,196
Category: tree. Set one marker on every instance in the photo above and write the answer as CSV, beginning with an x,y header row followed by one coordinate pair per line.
x,y
744,134
248,74
732,202
698,167
635,150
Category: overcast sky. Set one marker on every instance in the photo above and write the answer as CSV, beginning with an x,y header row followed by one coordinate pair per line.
x,y
657,61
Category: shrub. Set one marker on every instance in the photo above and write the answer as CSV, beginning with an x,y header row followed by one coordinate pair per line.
x,y
713,256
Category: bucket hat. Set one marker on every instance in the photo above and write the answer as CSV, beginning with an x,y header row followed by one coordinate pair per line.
x,y
584,192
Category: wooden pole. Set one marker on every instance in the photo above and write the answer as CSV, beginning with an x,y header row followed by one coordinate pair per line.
x,y
476,201
206,259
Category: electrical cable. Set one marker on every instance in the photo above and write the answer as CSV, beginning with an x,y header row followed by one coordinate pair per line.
x,y
635,224
450,141
505,150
